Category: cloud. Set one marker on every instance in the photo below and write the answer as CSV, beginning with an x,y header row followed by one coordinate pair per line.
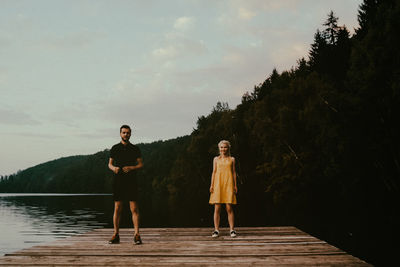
x,y
290,51
3,75
103,133
246,14
183,23
171,99
5,41
167,52
78,39
16,117
69,115
263,5
176,46
34,135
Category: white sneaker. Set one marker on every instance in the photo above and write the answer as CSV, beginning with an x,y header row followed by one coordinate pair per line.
x,y
215,234
233,233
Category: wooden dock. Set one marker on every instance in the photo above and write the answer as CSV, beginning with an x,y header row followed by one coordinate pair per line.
x,y
262,246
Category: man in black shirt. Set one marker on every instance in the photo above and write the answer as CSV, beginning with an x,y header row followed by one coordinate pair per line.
x,y
125,159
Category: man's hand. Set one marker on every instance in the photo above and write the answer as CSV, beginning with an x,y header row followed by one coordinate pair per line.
x,y
116,170
127,169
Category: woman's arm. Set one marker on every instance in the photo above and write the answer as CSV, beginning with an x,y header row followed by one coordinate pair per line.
x,y
234,174
213,174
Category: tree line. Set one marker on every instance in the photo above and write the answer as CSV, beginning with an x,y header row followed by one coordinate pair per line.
x,y
317,146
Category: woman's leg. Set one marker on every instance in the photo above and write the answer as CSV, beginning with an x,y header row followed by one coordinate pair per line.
x,y
231,216
217,210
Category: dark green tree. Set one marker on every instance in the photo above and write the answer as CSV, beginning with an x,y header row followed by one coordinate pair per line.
x,y
330,33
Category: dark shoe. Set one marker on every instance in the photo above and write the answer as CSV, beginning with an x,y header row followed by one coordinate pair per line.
x,y
114,239
137,240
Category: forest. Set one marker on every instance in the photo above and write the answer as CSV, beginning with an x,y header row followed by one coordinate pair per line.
x,y
316,146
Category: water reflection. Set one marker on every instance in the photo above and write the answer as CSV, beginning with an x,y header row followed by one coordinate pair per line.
x,y
28,219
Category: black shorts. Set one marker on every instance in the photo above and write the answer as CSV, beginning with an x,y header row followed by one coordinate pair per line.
x,y
125,187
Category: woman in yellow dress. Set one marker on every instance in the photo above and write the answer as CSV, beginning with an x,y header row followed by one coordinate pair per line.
x,y
223,187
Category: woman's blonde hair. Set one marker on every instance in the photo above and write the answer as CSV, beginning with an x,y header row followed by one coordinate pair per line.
x,y
226,143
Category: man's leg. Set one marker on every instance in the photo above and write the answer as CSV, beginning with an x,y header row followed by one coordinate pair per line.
x,y
135,215
135,218
117,216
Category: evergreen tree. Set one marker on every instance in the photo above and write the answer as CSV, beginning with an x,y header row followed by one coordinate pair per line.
x,y
330,33
317,51
366,13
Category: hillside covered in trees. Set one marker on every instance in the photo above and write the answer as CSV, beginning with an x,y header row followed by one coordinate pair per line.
x,y
316,146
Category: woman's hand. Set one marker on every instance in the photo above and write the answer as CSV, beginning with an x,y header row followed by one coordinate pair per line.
x,y
235,189
211,189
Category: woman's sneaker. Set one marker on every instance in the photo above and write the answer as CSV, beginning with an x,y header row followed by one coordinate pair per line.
x,y
233,233
215,234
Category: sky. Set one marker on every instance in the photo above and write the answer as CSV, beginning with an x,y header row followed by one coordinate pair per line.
x,y
72,72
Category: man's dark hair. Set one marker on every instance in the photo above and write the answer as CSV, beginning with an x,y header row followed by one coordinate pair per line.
x,y
126,127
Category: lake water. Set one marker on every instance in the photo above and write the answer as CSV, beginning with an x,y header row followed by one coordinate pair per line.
x,y
30,219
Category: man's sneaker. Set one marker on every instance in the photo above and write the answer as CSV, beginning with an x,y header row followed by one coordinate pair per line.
x,y
233,233
215,234
114,239
137,239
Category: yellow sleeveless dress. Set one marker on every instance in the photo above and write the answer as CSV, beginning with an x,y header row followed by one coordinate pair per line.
x,y
224,191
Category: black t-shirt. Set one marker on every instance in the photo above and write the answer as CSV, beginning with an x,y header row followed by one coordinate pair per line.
x,y
125,155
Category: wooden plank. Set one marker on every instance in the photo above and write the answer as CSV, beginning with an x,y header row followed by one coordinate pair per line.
x,y
320,260
184,248
278,246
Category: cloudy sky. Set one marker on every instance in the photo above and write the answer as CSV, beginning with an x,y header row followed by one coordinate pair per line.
x,y
71,72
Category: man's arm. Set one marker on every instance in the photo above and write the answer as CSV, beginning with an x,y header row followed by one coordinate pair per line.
x,y
112,167
139,165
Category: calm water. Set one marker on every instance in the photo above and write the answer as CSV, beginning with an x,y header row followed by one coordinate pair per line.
x,y
30,219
